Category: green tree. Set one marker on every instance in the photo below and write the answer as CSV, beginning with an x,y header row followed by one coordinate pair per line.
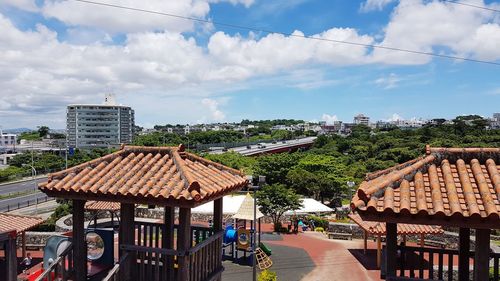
x,y
276,166
276,199
43,131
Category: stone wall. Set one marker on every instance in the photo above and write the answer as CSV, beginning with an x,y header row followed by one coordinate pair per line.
x,y
37,239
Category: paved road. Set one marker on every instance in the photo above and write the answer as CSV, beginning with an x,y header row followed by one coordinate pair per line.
x,y
20,186
22,201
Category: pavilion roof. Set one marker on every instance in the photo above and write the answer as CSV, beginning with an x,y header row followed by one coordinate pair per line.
x,y
447,186
9,222
146,175
102,206
378,228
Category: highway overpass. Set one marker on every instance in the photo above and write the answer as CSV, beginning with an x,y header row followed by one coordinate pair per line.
x,y
269,148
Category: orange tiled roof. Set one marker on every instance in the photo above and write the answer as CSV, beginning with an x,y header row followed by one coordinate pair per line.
x,y
102,206
9,222
378,228
447,184
146,175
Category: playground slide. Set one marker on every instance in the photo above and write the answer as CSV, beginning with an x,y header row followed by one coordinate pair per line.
x,y
265,249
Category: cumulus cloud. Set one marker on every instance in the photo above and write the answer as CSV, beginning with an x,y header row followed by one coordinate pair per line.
x,y
329,119
395,117
427,26
27,5
213,107
388,82
374,5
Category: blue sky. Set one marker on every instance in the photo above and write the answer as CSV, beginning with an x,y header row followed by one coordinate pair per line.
x,y
54,53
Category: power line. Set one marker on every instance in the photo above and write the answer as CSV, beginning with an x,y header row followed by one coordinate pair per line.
x,y
241,27
471,5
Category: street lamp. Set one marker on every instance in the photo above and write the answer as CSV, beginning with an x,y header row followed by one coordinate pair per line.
x,y
262,181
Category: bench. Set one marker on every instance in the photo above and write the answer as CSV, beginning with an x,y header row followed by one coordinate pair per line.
x,y
338,235
434,243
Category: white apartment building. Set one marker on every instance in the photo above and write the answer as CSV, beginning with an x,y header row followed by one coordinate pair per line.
x,y
362,119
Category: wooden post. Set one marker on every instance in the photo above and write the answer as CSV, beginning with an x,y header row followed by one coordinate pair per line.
x,y
404,239
379,250
391,249
218,207
365,237
217,220
127,237
482,253
184,243
463,254
422,242
79,242
23,241
168,240
10,252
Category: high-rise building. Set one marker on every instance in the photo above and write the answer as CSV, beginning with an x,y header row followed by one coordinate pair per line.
x,y
362,119
99,125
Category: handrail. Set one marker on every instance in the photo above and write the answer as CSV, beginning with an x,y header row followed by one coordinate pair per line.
x,y
209,240
168,252
49,270
113,273
54,266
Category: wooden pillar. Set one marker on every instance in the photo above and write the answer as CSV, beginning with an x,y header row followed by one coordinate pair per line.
x,y
217,220
126,236
463,254
482,253
260,232
168,240
79,242
365,245
404,239
184,243
422,240
23,241
379,250
391,249
10,251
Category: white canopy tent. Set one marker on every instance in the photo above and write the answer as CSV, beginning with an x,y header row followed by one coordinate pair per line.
x,y
311,206
232,203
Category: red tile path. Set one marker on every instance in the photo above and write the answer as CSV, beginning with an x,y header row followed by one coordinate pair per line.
x,y
332,257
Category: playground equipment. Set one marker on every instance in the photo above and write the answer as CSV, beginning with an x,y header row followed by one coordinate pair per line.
x,y
239,238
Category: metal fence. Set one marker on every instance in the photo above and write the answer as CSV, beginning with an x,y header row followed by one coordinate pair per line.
x,y
24,204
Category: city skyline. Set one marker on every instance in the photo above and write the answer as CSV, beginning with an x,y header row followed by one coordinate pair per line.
x,y
177,71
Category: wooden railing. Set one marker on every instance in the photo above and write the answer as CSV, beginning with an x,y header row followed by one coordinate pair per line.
x,y
61,268
113,274
157,263
433,264
205,258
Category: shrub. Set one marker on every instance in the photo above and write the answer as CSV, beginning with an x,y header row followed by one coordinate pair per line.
x,y
319,229
268,275
318,222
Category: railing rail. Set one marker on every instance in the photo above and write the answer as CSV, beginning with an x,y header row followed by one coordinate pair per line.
x,y
434,264
113,274
206,258
61,268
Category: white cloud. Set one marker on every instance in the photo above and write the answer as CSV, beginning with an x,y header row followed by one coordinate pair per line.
x,y
329,119
27,5
374,5
429,26
213,107
395,117
388,82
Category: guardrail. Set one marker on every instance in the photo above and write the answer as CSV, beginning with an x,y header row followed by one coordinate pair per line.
x,y
19,205
61,268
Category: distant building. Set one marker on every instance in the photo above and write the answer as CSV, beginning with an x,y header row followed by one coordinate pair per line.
x,y
99,125
361,119
7,139
334,128
495,121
